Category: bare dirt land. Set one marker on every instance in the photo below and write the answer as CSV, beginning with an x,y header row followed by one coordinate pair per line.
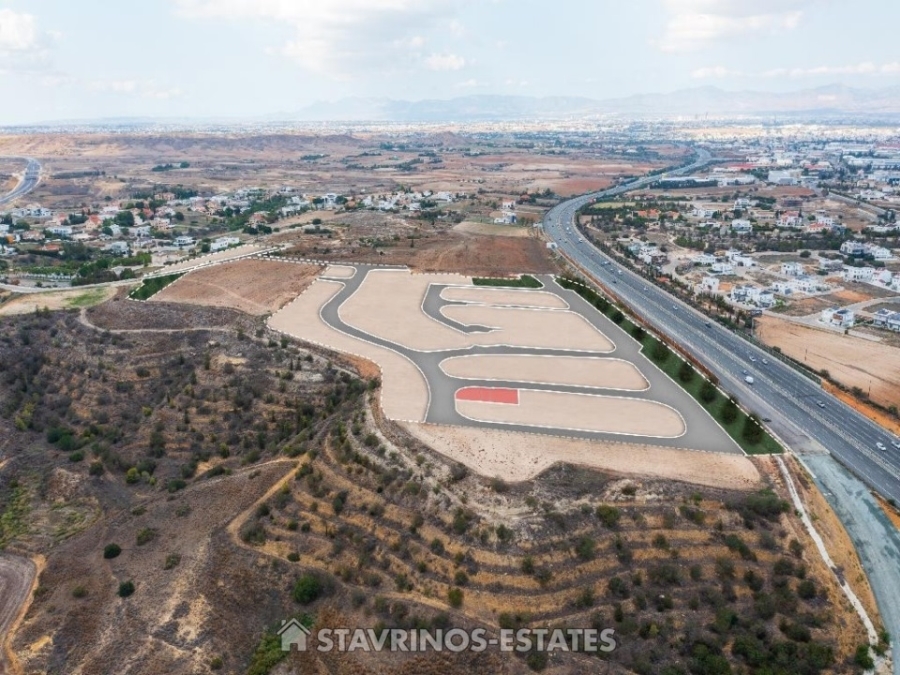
x,y
854,362
53,300
516,456
253,286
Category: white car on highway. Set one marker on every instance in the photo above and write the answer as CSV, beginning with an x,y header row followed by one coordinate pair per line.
x,y
881,446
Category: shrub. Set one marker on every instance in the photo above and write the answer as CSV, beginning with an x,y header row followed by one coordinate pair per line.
x,y
730,411
455,597
638,333
528,565
145,536
126,588
79,592
95,469
753,431
863,658
686,372
806,589
660,352
617,317
585,548
307,589
112,551
708,392
608,515
172,561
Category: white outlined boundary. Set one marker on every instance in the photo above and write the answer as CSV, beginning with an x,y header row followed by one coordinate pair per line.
x,y
576,429
544,356
380,366
494,289
650,331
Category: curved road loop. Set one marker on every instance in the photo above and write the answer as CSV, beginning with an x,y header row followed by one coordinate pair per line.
x,y
819,435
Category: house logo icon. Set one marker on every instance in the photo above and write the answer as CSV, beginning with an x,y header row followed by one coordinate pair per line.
x,y
293,634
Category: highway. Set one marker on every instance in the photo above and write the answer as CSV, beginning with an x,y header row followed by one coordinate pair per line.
x,y
28,182
781,393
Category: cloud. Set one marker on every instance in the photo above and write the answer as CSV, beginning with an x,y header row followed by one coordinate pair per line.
x,y
337,37
144,89
865,68
18,32
695,24
444,62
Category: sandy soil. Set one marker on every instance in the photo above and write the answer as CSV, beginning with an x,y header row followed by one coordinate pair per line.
x,y
219,257
889,422
580,412
404,392
574,371
852,361
470,227
252,286
503,297
516,456
16,579
531,327
339,272
386,295
68,299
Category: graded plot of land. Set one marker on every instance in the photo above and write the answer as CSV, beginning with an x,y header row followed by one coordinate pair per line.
x,y
491,229
854,362
404,392
517,456
253,286
579,412
600,373
339,272
76,298
503,297
532,328
221,256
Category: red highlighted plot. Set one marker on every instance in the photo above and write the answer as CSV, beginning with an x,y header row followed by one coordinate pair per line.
x,y
488,395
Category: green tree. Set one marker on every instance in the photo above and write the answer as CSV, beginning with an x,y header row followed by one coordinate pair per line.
x,y
686,372
708,392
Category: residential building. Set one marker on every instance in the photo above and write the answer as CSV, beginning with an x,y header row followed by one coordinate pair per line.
x,y
792,269
865,274
839,318
223,242
722,268
853,248
709,284
885,318
184,242
741,226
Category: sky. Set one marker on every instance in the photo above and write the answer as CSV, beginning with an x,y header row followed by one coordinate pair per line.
x,y
96,59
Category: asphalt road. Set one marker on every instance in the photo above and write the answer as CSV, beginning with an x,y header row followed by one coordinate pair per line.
x,y
779,392
29,181
818,435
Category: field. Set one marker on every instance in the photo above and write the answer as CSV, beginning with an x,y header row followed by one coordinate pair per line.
x,y
508,362
854,362
76,298
252,286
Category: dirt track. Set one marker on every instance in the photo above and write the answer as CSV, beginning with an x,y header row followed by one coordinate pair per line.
x,y
16,578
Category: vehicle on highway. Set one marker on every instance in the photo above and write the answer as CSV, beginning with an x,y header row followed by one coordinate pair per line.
x,y
765,362
896,443
767,419
749,379
744,372
820,403
708,324
752,359
881,446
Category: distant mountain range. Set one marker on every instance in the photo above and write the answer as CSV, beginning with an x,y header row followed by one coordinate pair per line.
x,y
823,103
835,100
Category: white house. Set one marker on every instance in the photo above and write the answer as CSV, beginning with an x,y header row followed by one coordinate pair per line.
x,y
722,268
854,248
741,226
709,284
704,259
839,318
792,269
184,242
791,219
60,230
783,287
808,284
752,295
885,318
865,274
879,253
222,243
